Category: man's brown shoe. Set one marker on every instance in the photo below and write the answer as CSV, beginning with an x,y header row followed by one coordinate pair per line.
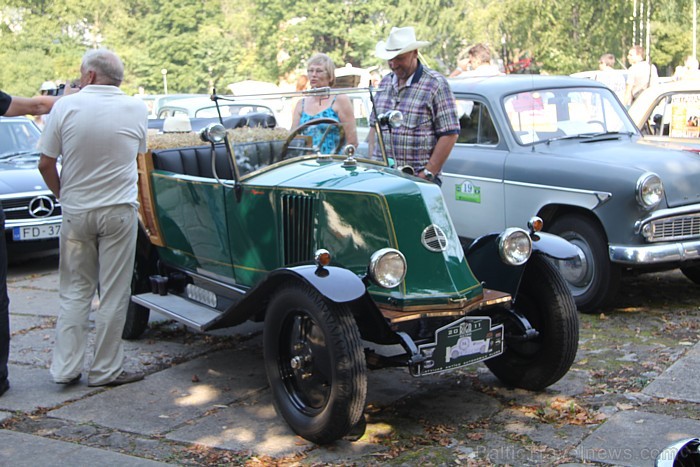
x,y
124,378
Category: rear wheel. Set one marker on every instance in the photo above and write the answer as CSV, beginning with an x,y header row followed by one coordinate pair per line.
x,y
592,278
136,315
314,363
545,301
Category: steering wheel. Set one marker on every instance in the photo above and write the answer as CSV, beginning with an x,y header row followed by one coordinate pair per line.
x,y
301,128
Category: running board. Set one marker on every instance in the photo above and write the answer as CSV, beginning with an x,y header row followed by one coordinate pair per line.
x,y
194,315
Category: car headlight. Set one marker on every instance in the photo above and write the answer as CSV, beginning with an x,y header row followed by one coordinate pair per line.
x,y
650,190
387,268
213,133
514,246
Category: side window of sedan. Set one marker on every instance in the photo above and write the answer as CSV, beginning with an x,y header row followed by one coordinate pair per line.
x,y
476,125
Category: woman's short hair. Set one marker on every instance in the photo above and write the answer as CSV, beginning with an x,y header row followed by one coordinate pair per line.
x,y
326,62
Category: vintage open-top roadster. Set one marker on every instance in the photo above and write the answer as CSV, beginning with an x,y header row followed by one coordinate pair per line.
x,y
341,257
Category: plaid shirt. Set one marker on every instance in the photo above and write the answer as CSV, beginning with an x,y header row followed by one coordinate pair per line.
x,y
429,112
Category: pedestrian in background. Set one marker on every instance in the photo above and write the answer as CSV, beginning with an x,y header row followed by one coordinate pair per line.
x,y
480,62
640,75
610,77
321,72
98,131
431,125
12,107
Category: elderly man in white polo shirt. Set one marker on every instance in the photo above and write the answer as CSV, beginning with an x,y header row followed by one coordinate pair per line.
x,y
98,131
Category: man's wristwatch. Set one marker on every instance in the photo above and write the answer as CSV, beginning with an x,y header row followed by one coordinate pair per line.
x,y
428,174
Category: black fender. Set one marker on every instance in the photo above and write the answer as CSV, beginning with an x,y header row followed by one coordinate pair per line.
x,y
553,246
486,264
337,284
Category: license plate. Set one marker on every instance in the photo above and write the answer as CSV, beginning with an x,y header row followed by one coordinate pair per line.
x,y
461,343
38,232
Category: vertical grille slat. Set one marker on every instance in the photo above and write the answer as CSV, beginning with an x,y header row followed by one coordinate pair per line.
x,y
297,221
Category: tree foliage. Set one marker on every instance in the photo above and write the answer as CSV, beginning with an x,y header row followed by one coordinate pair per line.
x,y
212,43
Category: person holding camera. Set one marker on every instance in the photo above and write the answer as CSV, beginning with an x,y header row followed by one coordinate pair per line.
x,y
12,107
98,132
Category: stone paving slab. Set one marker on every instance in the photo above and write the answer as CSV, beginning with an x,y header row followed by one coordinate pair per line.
x,y
20,450
634,438
680,381
35,347
32,389
169,398
253,424
5,415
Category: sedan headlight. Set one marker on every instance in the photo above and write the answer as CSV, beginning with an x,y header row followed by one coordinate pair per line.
x,y
514,246
650,190
387,268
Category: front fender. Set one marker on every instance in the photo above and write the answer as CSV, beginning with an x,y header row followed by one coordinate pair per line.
x,y
553,246
336,284
485,262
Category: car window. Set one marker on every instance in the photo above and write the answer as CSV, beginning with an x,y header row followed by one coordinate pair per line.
x,y
544,114
18,136
476,124
675,115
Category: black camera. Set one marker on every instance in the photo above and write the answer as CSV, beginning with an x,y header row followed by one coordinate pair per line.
x,y
56,92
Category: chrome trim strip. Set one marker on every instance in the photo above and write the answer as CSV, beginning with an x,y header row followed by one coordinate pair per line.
x,y
27,194
654,254
11,223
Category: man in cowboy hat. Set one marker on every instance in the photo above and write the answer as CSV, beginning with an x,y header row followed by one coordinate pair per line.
x,y
430,123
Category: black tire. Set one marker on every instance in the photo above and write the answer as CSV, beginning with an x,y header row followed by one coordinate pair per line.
x,y
136,315
592,278
315,363
692,273
544,299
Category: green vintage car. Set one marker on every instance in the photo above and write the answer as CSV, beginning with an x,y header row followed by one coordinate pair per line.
x,y
341,258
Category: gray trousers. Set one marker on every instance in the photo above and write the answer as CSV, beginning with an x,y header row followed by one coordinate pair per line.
x,y
96,247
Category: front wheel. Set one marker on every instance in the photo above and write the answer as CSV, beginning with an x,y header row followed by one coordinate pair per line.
x,y
592,278
692,273
545,301
314,363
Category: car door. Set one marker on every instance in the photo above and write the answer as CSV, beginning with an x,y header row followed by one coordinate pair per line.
x,y
473,184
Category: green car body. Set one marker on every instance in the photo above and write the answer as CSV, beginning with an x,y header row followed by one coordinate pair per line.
x,y
331,253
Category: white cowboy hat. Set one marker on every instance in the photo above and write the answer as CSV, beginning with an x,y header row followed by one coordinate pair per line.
x,y
400,41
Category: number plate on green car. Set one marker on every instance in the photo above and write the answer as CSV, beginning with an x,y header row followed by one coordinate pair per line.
x,y
460,343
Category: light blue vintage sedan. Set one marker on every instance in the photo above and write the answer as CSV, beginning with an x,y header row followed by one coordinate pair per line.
x,y
566,149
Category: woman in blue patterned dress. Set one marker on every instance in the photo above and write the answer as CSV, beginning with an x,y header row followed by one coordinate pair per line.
x,y
321,73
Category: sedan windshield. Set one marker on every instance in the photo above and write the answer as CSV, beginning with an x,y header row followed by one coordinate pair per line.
x,y
547,115
17,137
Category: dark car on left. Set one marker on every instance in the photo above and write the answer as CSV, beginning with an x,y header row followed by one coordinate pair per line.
x,y
32,212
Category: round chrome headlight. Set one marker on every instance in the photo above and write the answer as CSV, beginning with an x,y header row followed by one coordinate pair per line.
x,y
650,190
387,268
514,246
213,133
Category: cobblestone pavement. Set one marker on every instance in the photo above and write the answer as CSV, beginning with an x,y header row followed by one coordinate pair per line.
x,y
632,390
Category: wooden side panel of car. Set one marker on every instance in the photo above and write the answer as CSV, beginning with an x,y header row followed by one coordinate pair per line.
x,y
145,190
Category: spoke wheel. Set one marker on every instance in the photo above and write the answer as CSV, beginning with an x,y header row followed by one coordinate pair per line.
x,y
295,133
137,315
314,363
545,301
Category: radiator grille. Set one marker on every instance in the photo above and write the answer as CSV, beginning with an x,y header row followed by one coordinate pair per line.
x,y
22,208
297,219
675,228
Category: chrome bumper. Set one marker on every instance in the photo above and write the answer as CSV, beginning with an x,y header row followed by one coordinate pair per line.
x,y
655,254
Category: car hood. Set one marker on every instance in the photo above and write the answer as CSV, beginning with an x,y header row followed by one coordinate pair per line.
x,y
679,170
20,175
